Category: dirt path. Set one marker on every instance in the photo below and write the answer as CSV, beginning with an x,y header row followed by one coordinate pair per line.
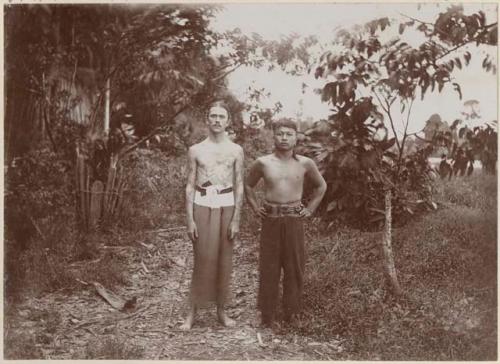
x,y
159,269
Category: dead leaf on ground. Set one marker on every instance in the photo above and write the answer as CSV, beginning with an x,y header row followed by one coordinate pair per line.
x,y
113,299
147,246
259,339
181,262
240,293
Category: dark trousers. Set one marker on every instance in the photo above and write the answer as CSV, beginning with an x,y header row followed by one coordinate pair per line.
x,y
281,247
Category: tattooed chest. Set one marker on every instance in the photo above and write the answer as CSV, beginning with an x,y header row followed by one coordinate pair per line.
x,y
216,169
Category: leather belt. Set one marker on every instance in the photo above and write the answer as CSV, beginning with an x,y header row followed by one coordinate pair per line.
x,y
282,210
203,191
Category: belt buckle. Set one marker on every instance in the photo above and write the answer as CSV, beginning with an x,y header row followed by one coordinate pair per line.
x,y
211,191
284,210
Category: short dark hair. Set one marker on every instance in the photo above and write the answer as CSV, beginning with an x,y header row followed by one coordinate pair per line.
x,y
284,123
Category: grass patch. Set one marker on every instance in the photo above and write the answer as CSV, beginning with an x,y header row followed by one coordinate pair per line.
x,y
57,260
19,346
21,343
457,243
446,264
113,349
478,191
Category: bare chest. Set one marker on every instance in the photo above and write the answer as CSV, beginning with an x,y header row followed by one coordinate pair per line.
x,y
277,173
215,159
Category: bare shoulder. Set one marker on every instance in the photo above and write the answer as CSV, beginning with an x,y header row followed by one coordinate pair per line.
x,y
260,163
264,160
305,161
194,150
236,148
198,148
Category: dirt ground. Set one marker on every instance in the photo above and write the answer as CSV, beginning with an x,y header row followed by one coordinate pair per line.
x,y
159,268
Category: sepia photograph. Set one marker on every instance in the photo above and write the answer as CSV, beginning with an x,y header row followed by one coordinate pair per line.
x,y
250,181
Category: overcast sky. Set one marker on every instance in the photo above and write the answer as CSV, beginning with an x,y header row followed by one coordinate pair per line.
x,y
274,20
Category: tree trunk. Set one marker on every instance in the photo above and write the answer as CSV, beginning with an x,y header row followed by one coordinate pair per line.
x,y
107,102
389,268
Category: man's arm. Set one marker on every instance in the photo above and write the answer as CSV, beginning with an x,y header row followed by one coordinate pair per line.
x,y
253,177
238,188
319,188
190,191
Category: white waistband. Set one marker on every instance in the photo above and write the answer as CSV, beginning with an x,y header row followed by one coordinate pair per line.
x,y
213,199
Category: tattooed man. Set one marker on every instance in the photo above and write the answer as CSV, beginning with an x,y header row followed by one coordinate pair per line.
x,y
282,213
214,195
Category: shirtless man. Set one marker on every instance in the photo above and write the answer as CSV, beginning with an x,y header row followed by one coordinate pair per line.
x,y
282,213
214,195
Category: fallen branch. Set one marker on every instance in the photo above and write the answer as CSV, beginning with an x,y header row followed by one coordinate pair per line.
x,y
105,322
117,247
169,229
79,326
192,343
160,353
86,262
82,282
317,352
259,339
144,267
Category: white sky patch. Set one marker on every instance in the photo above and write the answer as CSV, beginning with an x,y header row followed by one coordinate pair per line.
x,y
272,21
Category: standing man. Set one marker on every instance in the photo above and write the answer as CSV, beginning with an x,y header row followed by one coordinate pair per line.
x,y
214,195
282,213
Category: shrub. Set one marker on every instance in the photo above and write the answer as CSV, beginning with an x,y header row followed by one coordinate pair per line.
x,y
38,216
155,193
110,270
56,256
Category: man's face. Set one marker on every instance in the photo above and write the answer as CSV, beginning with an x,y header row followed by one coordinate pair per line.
x,y
285,138
217,119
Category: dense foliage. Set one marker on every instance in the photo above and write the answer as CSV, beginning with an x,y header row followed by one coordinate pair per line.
x,y
354,149
155,61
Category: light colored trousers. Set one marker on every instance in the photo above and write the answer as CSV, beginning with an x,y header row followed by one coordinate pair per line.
x,y
213,255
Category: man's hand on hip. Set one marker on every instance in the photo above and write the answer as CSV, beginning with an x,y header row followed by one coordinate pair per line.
x,y
305,212
260,211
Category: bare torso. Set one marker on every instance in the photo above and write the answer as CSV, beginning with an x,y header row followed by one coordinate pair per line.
x,y
284,179
215,162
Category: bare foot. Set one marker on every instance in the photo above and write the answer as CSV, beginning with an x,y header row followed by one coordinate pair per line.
x,y
188,323
225,320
